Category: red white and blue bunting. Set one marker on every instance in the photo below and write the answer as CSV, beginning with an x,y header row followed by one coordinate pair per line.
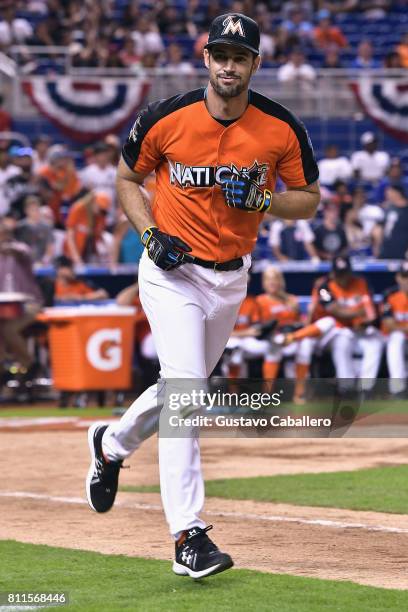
x,y
87,110
386,102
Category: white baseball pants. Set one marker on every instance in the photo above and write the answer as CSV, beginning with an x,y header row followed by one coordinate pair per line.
x,y
396,361
343,343
192,311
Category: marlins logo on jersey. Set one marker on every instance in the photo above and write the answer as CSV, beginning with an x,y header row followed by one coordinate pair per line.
x,y
233,25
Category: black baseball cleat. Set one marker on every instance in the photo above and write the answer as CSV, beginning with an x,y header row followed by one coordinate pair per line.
x,y
103,476
197,556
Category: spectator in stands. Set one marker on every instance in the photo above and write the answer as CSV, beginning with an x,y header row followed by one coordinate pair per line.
x,y
100,175
342,198
172,22
369,215
40,153
287,8
365,57
330,238
16,276
267,45
402,50
59,182
341,6
332,60
196,15
34,232
395,178
127,247
395,228
21,184
5,118
297,25
13,30
147,38
292,240
7,171
326,35
68,287
334,167
128,55
370,164
296,72
114,148
50,30
358,242
85,224
392,60
175,64
58,235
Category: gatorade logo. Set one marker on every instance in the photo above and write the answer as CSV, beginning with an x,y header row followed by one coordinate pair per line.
x,y
103,349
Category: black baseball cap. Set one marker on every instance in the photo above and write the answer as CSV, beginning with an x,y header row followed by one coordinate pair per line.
x,y
234,29
403,271
341,265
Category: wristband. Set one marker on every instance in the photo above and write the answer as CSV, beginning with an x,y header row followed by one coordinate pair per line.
x,y
267,202
147,234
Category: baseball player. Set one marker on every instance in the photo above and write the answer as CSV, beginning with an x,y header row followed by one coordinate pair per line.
x,y
276,303
216,152
244,342
395,326
346,298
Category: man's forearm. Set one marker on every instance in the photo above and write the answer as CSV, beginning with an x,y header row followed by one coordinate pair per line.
x,y
296,203
135,205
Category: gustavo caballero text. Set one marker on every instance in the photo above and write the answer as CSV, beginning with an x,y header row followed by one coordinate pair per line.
x,y
244,421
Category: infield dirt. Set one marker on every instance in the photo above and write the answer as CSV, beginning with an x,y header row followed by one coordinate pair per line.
x,y
43,502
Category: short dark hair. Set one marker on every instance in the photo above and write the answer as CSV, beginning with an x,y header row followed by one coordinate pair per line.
x,y
63,262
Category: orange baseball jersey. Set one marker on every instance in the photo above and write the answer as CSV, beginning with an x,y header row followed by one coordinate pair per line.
x,y
316,309
286,312
248,314
77,287
191,151
355,295
86,227
395,305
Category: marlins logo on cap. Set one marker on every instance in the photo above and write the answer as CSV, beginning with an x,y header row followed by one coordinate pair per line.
x,y
233,25
235,29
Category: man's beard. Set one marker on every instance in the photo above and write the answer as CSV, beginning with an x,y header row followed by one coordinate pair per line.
x,y
227,92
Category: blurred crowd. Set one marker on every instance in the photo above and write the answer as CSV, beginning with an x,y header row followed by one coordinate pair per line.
x,y
64,203
139,34
58,209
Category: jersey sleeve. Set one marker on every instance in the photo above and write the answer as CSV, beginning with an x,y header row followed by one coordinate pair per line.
x,y
74,217
142,151
297,166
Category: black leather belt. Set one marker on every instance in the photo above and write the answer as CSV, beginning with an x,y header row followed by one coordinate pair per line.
x,y
220,266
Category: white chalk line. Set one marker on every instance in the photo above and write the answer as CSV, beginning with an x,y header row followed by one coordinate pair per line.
x,y
237,515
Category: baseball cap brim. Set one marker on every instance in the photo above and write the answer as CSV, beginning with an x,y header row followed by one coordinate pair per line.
x,y
224,41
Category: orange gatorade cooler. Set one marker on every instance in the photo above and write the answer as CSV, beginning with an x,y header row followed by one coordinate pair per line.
x,y
91,346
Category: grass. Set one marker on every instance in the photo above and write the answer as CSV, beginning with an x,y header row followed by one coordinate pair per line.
x,y
35,412
96,582
313,408
378,489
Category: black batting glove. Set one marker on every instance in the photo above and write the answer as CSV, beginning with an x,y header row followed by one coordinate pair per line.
x,y
243,193
167,252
